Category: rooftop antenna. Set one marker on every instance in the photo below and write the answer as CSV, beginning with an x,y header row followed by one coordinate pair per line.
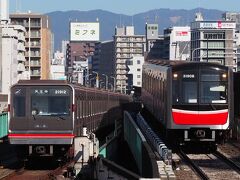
x,y
18,6
4,11
147,19
132,20
120,20
199,4
156,18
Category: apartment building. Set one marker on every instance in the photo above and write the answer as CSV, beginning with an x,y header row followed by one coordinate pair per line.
x,y
12,56
127,45
38,43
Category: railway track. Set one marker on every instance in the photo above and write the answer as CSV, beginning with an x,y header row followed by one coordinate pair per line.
x,y
211,166
23,173
193,165
228,161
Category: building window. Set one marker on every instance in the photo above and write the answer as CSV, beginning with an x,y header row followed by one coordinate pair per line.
x,y
138,83
138,76
129,62
138,62
138,69
214,35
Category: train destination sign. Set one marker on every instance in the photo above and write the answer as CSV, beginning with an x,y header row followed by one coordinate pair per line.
x,y
56,92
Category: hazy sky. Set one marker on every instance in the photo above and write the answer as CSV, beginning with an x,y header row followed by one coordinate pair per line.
x,y
128,7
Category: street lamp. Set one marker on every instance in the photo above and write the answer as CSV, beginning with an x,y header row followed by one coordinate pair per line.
x,y
192,59
90,81
112,88
100,84
106,80
86,77
114,83
97,78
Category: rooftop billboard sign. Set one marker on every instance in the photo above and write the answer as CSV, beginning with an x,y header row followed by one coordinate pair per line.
x,y
84,31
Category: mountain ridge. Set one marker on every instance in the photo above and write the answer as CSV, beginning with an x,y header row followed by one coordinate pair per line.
x,y
165,17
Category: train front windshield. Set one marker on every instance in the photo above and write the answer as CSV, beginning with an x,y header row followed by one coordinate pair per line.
x,y
204,86
50,101
41,101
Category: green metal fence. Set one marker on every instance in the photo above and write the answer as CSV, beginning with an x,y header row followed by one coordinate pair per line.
x,y
3,125
135,140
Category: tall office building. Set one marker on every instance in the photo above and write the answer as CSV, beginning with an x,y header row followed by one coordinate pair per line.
x,y
127,45
103,59
38,43
213,41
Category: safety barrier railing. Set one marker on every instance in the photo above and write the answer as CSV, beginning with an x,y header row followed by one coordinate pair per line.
x,y
155,141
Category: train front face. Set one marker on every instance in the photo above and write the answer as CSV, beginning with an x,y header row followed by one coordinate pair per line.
x,y
201,101
41,118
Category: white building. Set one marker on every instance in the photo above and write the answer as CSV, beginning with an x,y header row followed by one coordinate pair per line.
x,y
214,41
135,71
12,50
12,56
81,70
58,66
177,43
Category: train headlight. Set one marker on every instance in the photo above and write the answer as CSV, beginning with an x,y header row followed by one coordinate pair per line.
x,y
224,76
175,76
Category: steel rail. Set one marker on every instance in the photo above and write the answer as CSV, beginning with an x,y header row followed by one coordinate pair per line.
x,y
193,166
228,161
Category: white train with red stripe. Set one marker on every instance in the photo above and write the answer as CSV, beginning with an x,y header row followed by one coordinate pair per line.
x,y
191,100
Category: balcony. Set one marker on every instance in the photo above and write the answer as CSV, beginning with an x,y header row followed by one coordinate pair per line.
x,y
21,47
21,37
32,25
21,57
20,67
35,73
124,56
35,64
33,54
33,35
121,61
121,72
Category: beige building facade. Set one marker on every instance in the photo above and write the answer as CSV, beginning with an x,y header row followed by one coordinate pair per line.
x,y
38,43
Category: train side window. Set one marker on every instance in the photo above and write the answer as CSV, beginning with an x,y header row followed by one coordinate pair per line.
x,y
83,108
19,106
81,104
19,103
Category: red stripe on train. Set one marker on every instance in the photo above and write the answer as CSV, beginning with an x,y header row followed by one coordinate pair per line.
x,y
41,136
182,117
